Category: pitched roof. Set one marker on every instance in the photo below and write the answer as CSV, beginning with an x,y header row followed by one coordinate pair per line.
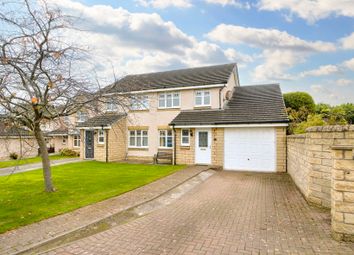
x,y
59,131
8,130
209,75
102,120
248,105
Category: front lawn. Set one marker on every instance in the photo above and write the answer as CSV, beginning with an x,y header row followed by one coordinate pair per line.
x,y
10,163
23,201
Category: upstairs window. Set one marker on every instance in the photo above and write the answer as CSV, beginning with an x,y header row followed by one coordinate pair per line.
x,y
111,105
166,139
81,116
169,100
140,103
202,98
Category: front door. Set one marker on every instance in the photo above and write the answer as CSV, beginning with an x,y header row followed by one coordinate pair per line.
x,y
203,146
89,144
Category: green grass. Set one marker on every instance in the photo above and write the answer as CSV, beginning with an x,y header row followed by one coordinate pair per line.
x,y
10,163
23,201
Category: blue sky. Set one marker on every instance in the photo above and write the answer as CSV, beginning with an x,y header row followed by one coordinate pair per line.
x,y
305,45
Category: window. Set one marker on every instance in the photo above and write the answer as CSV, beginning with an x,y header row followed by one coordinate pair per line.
x,y
169,100
76,141
100,136
138,138
202,98
67,120
185,137
166,138
81,116
140,103
65,138
111,105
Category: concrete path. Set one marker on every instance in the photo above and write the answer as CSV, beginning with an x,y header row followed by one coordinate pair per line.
x,y
230,213
27,238
29,167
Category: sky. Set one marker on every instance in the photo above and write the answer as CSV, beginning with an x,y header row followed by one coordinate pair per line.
x,y
304,45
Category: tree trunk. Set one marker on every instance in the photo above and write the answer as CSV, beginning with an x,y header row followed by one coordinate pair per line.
x,y
47,173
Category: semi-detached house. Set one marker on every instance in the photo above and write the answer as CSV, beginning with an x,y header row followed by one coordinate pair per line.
x,y
201,115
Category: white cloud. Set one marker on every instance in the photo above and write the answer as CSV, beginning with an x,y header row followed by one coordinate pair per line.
x,y
280,50
265,38
234,3
349,64
344,82
348,42
140,42
321,71
310,10
162,4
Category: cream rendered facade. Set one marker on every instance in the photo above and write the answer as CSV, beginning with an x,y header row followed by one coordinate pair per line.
x,y
155,118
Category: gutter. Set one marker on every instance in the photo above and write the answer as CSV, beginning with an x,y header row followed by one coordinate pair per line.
x,y
174,145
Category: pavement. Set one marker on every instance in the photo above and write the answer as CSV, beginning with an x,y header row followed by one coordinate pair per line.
x,y
229,213
29,167
94,218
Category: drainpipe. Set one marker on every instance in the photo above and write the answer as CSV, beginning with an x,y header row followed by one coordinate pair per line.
x,y
220,95
174,144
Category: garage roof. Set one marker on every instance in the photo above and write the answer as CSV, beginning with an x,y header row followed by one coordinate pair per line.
x,y
248,105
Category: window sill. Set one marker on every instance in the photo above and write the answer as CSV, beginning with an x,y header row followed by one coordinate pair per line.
x,y
200,107
165,148
169,109
138,148
185,147
100,144
145,110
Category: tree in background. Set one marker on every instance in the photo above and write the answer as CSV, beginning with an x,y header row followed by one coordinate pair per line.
x,y
39,77
298,100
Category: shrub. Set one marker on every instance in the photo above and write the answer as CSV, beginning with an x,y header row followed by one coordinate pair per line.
x,y
68,153
13,155
296,100
312,120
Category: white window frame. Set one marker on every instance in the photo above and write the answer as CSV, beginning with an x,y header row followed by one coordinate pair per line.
x,y
202,98
111,105
183,136
166,136
173,97
81,116
100,134
136,136
140,103
77,140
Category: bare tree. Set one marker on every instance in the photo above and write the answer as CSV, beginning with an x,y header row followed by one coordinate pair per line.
x,y
40,76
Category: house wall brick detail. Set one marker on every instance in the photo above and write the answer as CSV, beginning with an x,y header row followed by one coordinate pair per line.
x,y
24,148
280,149
185,155
217,147
342,207
310,160
117,141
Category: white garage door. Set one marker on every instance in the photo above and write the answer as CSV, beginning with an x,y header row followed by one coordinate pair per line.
x,y
250,149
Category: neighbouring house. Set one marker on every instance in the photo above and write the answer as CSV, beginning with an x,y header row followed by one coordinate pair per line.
x,y
198,115
16,140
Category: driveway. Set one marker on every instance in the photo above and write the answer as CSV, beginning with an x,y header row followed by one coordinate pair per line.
x,y
230,213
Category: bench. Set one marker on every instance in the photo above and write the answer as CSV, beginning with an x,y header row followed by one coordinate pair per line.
x,y
164,155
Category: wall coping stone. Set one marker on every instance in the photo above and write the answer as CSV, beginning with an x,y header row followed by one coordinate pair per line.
x,y
343,147
331,128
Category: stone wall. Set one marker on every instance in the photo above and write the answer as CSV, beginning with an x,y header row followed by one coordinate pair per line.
x,y
217,147
310,161
185,155
342,207
281,149
117,141
25,147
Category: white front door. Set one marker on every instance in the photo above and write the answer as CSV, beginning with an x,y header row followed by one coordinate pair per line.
x,y
203,146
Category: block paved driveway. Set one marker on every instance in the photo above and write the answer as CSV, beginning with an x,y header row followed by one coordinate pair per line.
x,y
230,213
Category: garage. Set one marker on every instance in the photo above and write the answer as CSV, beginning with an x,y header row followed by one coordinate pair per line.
x,y
250,149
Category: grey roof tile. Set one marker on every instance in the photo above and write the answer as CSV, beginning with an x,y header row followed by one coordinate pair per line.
x,y
199,76
249,104
102,120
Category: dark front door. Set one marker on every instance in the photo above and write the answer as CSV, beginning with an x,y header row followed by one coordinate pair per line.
x,y
89,151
